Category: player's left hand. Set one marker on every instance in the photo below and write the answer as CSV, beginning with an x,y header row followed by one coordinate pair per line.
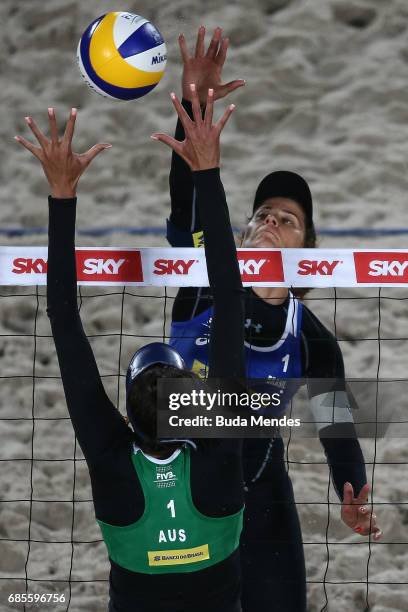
x,y
62,167
356,513
204,68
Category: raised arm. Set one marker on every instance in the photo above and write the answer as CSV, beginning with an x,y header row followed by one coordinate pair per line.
x,y
200,150
204,69
95,420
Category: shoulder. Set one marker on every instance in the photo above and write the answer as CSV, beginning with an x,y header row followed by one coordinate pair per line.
x,y
115,461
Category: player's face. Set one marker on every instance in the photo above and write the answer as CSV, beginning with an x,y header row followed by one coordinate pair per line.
x,y
278,223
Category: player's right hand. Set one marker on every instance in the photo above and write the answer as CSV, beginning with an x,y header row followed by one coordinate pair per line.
x,y
204,68
201,147
357,514
61,165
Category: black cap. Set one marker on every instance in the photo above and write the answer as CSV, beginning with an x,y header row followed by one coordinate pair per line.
x,y
285,184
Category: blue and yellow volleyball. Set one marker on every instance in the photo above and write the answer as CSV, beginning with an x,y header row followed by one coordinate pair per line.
x,y
122,56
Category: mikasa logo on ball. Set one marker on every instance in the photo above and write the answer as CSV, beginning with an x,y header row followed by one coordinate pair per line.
x,y
158,59
131,17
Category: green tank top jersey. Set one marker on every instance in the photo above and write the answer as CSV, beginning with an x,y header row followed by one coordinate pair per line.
x,y
172,535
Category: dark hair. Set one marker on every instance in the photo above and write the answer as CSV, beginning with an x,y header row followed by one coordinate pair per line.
x,y
310,237
309,243
142,400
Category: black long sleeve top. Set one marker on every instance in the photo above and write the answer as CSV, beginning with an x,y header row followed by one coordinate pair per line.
x,y
321,357
102,433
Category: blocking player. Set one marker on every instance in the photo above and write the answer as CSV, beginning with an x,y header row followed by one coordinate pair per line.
x,y
170,549
284,339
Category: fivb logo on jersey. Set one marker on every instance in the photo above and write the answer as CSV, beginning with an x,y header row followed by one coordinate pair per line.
x,y
381,267
165,477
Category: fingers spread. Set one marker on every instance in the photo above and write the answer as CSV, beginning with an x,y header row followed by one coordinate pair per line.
x,y
70,127
230,87
28,145
167,140
209,109
199,51
37,132
94,151
213,46
222,52
181,111
196,105
53,126
348,493
227,114
362,497
183,48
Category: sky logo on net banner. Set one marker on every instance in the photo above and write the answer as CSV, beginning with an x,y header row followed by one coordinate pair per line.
x,y
173,266
317,267
385,267
113,266
261,266
92,265
29,265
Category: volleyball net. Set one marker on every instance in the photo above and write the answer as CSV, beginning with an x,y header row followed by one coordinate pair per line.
x,y
50,545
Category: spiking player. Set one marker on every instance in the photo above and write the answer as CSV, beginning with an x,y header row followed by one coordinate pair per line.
x,y
283,339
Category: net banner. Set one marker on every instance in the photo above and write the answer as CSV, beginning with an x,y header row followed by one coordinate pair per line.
x,y
186,267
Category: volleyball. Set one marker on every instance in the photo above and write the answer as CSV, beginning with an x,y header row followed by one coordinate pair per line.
x,y
122,56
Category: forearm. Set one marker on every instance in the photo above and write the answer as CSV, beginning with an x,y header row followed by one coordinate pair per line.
x,y
344,456
94,418
220,249
184,213
61,267
226,351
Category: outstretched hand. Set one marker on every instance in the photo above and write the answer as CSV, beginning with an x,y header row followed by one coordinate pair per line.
x,y
61,165
204,68
201,147
356,514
